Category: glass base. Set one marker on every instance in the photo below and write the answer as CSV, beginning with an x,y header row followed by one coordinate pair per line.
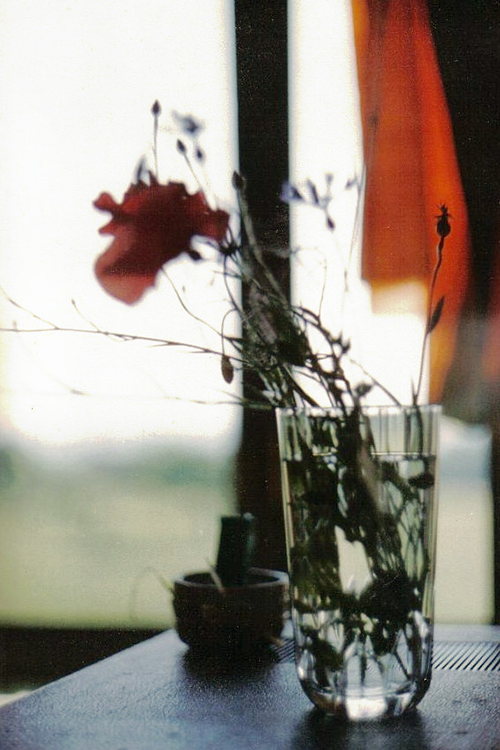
x,y
365,705
363,685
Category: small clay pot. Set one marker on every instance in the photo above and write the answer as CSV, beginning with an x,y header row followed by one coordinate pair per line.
x,y
235,617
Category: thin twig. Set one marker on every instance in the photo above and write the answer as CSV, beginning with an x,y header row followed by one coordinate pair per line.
x,y
429,317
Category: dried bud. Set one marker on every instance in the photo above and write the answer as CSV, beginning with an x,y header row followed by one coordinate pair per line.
x,y
187,123
443,227
313,191
290,193
227,369
238,181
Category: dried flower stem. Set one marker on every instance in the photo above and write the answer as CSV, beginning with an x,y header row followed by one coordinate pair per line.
x,y
443,229
155,111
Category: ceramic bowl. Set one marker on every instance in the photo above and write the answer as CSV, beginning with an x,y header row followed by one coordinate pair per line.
x,y
235,617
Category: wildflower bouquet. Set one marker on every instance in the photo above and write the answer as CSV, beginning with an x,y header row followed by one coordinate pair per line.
x,y
288,346
356,481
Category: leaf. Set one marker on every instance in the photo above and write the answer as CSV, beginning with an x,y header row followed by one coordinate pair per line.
x,y
303,608
422,481
363,389
326,655
436,315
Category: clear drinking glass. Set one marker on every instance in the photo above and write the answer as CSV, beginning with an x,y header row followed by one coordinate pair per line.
x,y
360,494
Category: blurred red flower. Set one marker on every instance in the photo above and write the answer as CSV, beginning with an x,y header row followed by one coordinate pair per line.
x,y
154,224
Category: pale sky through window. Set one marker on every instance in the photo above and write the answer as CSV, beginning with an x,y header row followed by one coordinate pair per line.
x,y
326,138
78,79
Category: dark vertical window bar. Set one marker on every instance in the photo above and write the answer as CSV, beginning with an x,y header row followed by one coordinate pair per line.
x,y
261,49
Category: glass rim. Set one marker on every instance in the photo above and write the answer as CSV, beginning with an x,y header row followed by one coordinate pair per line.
x,y
319,411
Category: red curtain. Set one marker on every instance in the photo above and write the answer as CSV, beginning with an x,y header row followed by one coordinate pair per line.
x,y
411,165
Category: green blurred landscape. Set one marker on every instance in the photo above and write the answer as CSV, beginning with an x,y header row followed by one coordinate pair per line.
x,y
92,541
95,539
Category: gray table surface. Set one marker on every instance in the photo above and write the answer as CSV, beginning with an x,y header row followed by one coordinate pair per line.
x,y
158,694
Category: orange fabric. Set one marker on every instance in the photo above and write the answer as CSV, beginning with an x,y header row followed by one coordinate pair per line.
x,y
411,166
